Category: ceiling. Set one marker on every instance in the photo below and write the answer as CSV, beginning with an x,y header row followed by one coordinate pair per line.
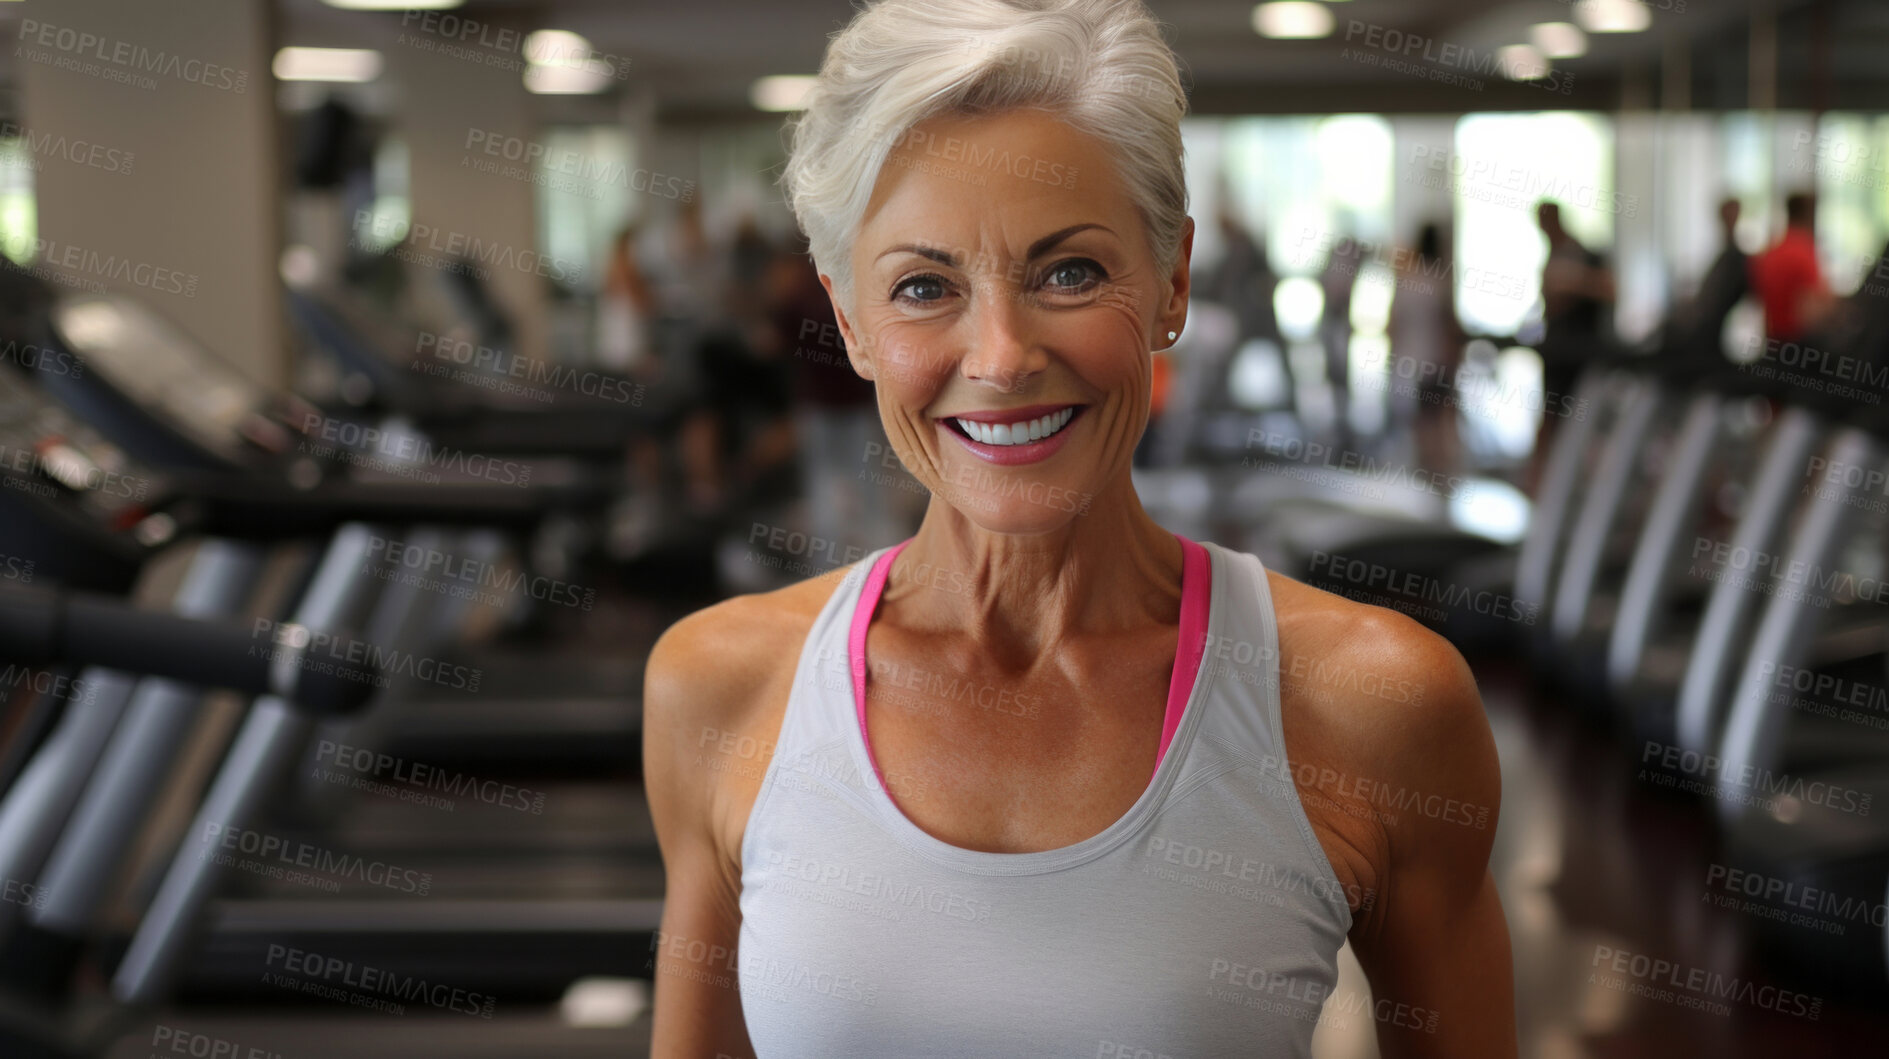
x,y
698,58
695,59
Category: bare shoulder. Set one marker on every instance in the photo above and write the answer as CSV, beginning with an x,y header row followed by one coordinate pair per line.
x,y
1388,704
1358,661
718,666
715,691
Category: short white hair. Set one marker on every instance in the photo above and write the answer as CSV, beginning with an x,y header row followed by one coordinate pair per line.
x,y
1100,65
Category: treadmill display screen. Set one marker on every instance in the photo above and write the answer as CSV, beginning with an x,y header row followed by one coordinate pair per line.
x,y
46,453
150,360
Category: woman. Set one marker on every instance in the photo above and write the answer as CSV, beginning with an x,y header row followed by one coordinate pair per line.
x,y
1427,342
624,307
1047,779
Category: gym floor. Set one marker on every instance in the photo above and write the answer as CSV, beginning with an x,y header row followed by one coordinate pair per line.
x,y
1588,856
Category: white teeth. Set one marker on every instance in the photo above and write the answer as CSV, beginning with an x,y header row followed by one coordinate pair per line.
x,y
1017,433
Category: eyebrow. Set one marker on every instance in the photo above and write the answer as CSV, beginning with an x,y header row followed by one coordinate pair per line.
x,y
1037,249
1043,245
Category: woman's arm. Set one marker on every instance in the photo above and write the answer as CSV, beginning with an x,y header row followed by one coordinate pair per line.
x,y
697,995
1436,939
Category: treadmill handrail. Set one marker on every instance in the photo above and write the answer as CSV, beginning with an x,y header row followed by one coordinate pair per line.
x,y
248,506
42,625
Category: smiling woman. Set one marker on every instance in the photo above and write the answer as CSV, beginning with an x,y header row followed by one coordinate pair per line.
x,y
1209,792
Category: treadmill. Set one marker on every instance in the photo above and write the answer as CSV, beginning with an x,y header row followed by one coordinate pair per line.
x,y
478,404
1446,567
583,893
1683,613
42,1014
162,394
1805,763
87,514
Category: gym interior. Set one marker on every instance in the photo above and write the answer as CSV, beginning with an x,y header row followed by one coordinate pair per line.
x,y
381,380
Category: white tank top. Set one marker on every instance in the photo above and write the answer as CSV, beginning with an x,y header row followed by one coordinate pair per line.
x,y
1206,921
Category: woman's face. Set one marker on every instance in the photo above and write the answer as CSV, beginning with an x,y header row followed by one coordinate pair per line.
x,y
1005,300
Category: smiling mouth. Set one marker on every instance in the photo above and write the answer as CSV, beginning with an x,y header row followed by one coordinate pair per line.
x,y
1019,433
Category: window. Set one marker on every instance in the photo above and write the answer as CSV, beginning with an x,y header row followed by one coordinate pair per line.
x,y
19,219
1504,165
581,211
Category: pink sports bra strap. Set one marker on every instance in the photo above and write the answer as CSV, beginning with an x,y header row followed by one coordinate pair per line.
x,y
856,640
1196,587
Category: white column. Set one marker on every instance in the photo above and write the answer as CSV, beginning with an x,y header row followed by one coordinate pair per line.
x,y
175,196
469,128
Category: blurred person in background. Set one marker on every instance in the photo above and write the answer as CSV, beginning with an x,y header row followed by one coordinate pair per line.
x,y
1786,277
691,280
1338,280
710,355
1244,282
1425,334
836,418
625,306
709,340
746,386
1696,335
625,315
681,282
1859,322
1190,379
751,260
1577,296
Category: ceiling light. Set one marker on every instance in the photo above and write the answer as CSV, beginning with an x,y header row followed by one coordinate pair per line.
x,y
1559,40
569,79
782,92
557,47
1521,62
1612,16
326,64
393,5
1292,20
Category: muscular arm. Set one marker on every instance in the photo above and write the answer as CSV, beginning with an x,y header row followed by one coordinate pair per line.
x,y
697,999
1436,938
1404,788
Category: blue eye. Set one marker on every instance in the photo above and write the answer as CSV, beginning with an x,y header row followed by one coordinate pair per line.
x,y
1074,276
920,289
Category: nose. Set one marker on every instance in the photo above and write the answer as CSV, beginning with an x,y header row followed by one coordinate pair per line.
x,y
1004,351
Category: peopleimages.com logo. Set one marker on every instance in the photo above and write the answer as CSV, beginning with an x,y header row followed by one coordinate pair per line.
x,y
119,60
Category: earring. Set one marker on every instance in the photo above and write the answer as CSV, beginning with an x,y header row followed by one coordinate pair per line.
x,y
1172,335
